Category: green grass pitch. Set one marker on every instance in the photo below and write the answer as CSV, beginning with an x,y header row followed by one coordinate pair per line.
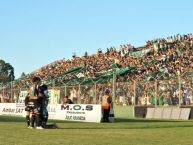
x,y
125,131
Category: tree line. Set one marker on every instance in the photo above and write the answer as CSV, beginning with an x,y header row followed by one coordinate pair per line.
x,y
6,72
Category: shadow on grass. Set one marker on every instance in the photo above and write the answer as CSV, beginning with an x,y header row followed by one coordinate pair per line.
x,y
117,120
120,123
127,127
124,120
22,119
11,119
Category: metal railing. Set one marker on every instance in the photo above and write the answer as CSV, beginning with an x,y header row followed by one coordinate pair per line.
x,y
174,91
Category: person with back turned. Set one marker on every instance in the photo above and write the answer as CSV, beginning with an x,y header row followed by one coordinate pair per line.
x,y
106,105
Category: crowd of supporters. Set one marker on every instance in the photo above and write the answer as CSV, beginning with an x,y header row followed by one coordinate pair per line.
x,y
159,59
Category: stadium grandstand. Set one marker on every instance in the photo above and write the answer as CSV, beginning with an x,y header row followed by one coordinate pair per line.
x,y
163,66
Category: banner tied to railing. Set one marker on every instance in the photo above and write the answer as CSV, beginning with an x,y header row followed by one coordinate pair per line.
x,y
70,112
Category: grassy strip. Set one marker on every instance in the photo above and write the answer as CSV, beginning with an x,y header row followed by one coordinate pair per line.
x,y
122,132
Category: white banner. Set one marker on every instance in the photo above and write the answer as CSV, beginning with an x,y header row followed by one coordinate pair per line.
x,y
12,109
54,96
71,112
77,112
22,96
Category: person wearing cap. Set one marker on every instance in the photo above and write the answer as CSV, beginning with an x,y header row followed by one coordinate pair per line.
x,y
106,105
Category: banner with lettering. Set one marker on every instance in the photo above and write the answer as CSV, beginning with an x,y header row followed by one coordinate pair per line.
x,y
76,112
70,112
14,109
54,96
22,96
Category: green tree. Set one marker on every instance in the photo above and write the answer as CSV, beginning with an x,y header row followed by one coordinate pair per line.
x,y
6,72
86,54
23,75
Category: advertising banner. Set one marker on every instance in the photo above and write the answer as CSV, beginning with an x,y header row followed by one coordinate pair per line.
x,y
22,96
13,109
54,96
77,112
70,112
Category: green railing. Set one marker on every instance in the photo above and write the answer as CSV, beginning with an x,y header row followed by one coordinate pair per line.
x,y
175,91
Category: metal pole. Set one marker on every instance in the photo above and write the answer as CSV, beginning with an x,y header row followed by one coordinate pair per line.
x,y
53,84
156,93
3,95
65,89
78,97
11,93
95,94
179,94
114,87
134,87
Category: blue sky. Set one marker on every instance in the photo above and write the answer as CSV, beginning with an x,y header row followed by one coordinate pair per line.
x,y
34,33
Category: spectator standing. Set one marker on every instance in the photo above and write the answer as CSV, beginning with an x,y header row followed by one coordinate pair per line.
x,y
66,100
106,105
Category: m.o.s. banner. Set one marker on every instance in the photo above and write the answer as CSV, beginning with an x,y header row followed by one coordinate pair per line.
x,y
76,112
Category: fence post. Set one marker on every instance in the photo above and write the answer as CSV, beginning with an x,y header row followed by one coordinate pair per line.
x,y
156,89
78,97
180,86
134,95
53,84
65,89
11,93
114,87
3,95
95,101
